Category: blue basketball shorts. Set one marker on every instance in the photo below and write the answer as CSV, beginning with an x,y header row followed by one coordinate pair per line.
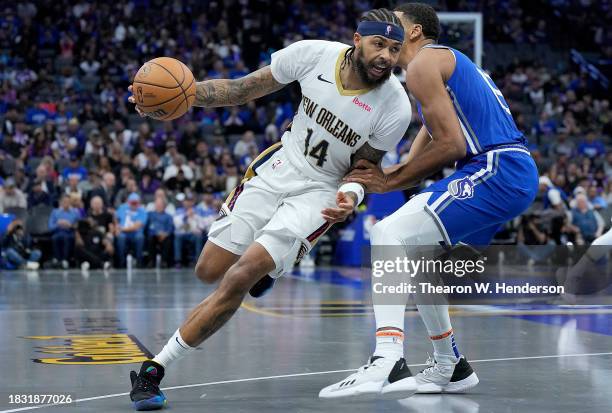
x,y
487,191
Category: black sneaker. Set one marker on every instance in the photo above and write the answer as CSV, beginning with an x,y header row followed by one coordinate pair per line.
x,y
262,287
145,393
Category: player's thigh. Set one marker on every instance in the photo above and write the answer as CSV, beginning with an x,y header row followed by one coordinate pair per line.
x,y
247,210
408,226
296,227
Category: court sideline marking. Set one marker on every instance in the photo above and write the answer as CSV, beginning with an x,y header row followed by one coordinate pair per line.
x,y
282,376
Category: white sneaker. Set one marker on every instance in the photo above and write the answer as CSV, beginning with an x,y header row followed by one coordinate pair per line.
x,y
32,265
84,266
438,378
107,265
65,264
368,381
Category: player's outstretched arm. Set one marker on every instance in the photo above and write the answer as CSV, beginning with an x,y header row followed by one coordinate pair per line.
x,y
231,92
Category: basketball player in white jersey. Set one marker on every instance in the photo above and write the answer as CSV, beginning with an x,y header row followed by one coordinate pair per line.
x,y
351,109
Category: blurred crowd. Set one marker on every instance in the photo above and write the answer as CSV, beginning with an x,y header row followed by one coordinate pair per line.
x,y
82,175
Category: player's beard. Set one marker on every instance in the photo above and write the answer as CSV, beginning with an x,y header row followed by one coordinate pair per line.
x,y
363,70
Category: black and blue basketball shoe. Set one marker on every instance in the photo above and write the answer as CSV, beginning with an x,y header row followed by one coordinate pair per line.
x,y
145,393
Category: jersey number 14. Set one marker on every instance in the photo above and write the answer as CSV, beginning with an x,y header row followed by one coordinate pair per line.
x,y
319,151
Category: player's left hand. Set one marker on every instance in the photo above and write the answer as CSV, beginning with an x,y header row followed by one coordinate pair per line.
x,y
369,175
346,205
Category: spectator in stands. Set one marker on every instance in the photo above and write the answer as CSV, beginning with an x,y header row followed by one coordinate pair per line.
x,y
552,195
11,196
64,147
588,221
40,146
62,223
189,140
244,145
169,155
595,198
161,193
545,126
131,218
178,183
123,136
232,121
531,232
562,145
94,146
591,146
188,229
103,220
75,169
37,196
160,229
178,164
46,183
143,158
92,249
17,247
122,195
208,209
72,186
148,182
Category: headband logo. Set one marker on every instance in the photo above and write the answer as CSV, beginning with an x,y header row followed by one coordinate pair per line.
x,y
388,29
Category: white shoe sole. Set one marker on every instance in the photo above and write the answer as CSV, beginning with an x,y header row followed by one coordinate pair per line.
x,y
456,387
400,389
363,391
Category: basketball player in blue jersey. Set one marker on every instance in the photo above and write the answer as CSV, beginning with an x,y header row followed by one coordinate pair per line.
x,y
466,121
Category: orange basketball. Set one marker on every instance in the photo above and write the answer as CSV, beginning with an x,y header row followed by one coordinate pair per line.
x,y
164,88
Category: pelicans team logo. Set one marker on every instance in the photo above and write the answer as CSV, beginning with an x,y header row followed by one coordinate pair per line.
x,y
461,188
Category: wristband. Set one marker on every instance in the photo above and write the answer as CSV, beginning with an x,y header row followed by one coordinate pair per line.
x,y
355,188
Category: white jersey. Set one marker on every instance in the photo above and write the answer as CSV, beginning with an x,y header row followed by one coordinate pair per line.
x,y
332,123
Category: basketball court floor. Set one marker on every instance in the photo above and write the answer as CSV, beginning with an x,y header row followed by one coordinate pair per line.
x,y
69,333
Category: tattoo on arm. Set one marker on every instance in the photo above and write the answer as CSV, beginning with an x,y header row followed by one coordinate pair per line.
x,y
227,92
369,154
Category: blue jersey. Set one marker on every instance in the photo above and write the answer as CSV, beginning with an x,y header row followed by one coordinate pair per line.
x,y
484,115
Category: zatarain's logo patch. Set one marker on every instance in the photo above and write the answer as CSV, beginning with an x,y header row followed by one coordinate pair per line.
x,y
461,188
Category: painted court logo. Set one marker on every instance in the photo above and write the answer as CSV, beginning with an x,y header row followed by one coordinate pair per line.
x,y
91,349
461,188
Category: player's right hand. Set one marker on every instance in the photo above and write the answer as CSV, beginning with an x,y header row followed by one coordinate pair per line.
x,y
346,206
131,99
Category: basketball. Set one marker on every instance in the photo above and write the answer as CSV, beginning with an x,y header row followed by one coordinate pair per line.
x,y
164,88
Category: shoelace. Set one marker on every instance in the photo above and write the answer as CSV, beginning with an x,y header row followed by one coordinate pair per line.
x,y
431,362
